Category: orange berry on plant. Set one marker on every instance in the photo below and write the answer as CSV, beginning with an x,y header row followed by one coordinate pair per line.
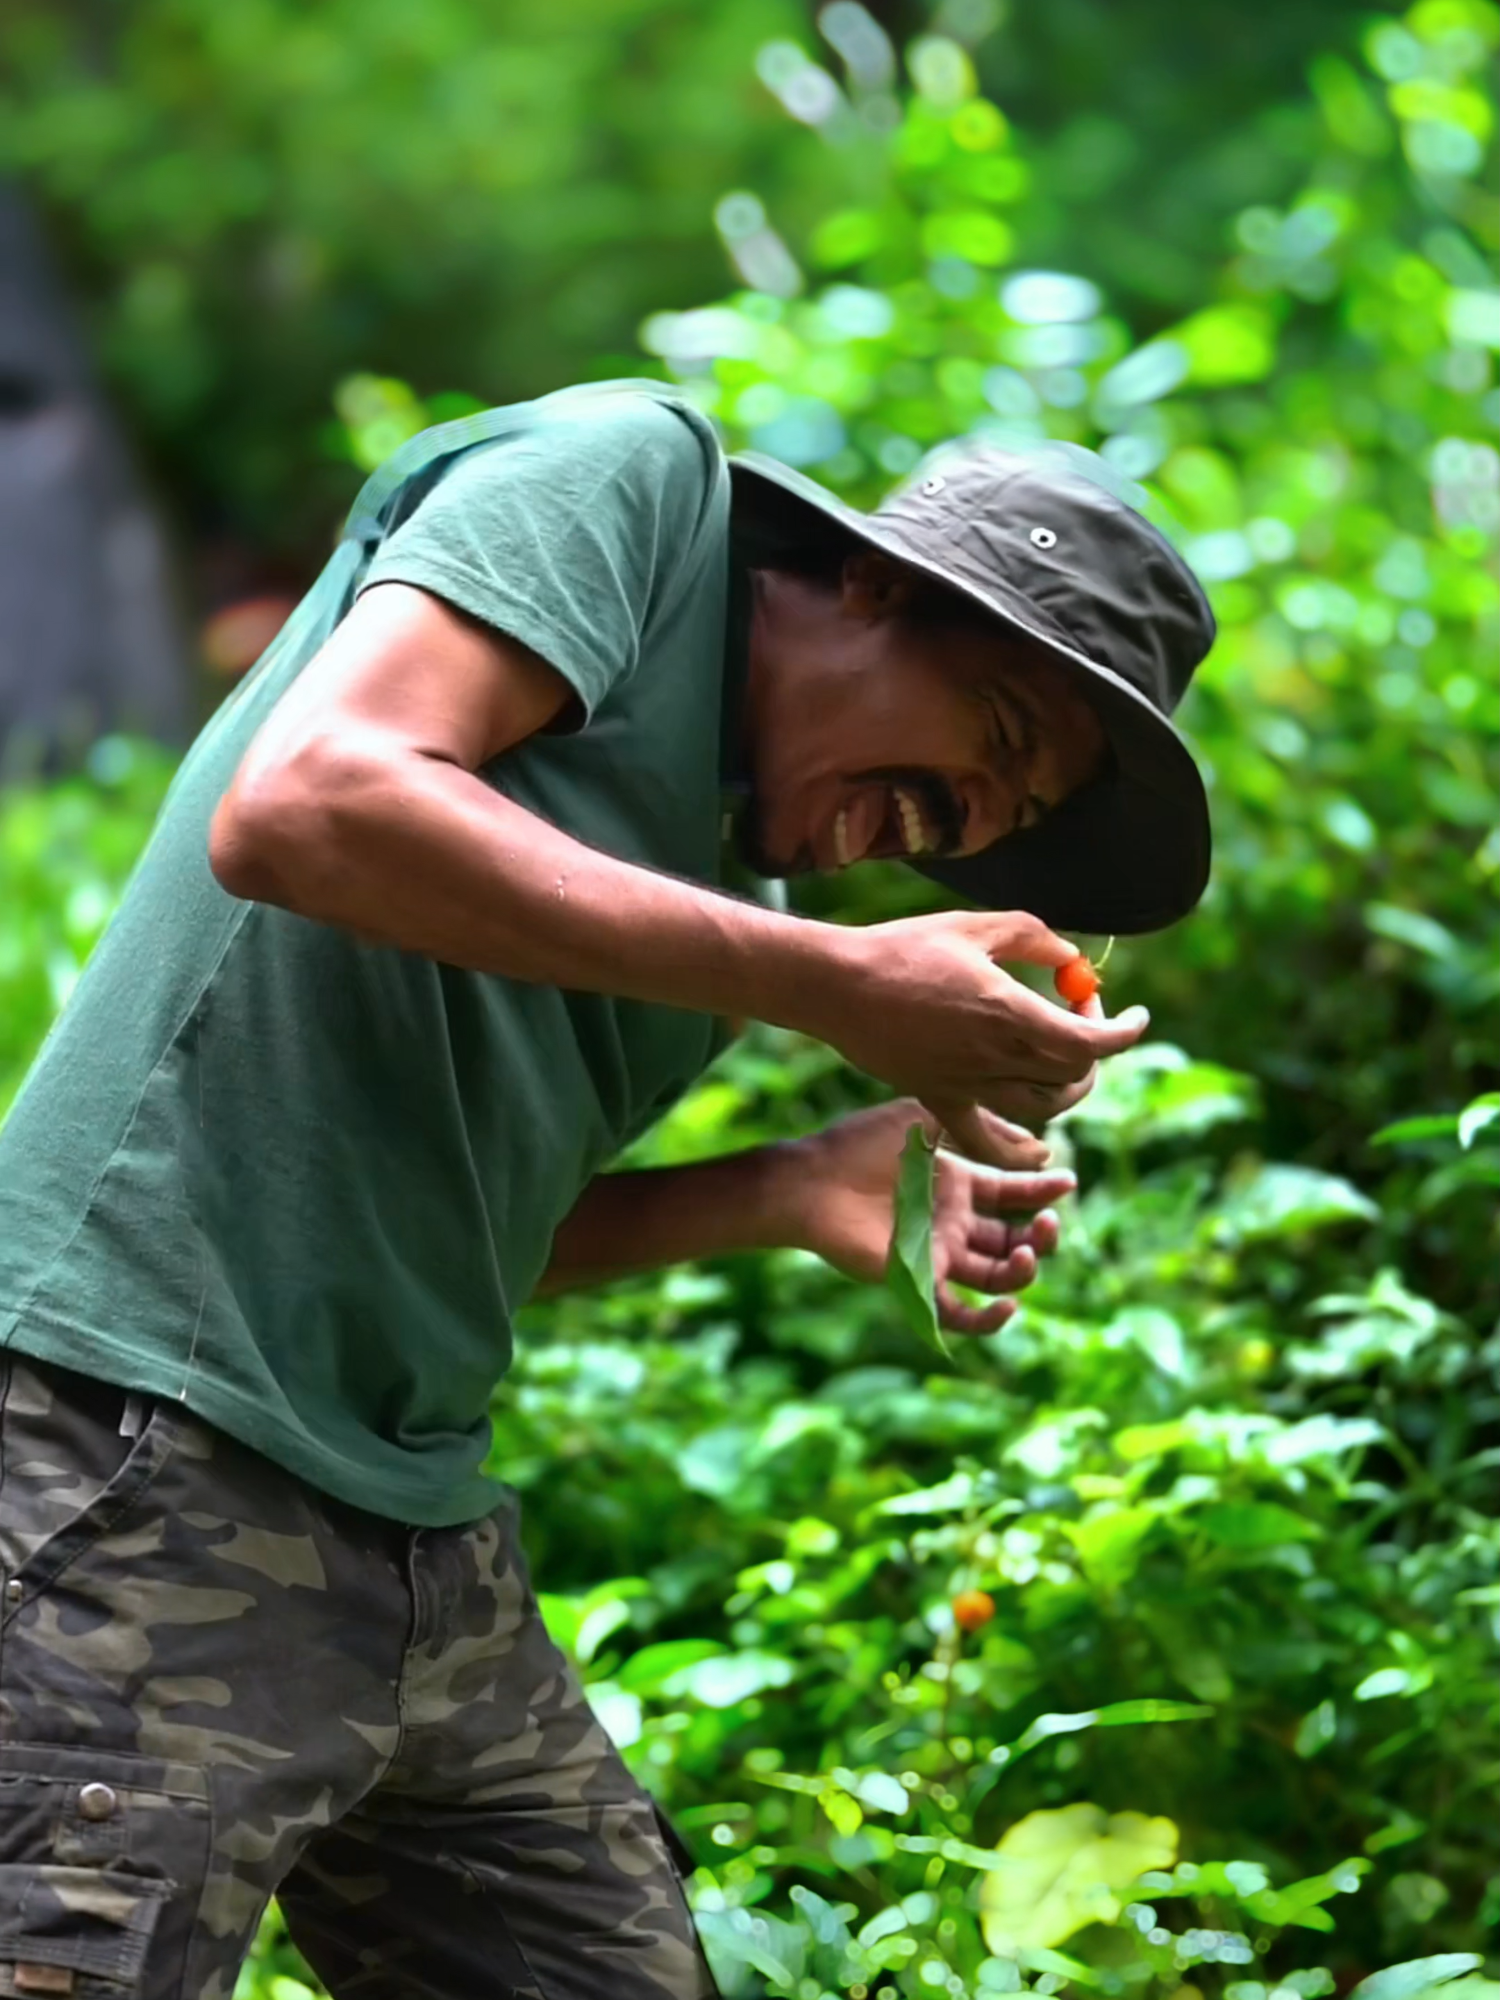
x,y
973,1608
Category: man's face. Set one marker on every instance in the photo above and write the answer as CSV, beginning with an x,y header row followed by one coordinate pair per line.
x,y
874,734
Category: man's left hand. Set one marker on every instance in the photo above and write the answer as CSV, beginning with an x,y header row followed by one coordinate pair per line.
x,y
990,1229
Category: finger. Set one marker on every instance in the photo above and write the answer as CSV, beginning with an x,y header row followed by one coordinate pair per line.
x,y
995,1275
978,1134
1021,1194
1000,1132
1043,1233
1035,1103
995,1240
998,1239
1040,1235
956,1317
1017,935
1073,1093
1052,1032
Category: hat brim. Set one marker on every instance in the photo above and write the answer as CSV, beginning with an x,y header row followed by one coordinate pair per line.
x,y
1129,853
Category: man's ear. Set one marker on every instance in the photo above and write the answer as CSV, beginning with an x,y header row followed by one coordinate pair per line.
x,y
875,586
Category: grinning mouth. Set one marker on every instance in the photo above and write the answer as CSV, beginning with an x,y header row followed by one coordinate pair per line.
x,y
900,814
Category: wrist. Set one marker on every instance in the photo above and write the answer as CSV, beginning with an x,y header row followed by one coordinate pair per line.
x,y
807,984
785,1194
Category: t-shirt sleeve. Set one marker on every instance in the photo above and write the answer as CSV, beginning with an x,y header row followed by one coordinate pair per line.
x,y
568,537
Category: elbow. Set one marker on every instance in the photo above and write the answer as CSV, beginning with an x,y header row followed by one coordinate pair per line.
x,y
240,852
250,841
275,836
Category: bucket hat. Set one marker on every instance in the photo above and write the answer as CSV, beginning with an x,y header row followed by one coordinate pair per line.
x,y
1040,540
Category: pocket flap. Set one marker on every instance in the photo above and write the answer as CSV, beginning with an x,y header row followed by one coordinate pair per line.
x,y
96,1921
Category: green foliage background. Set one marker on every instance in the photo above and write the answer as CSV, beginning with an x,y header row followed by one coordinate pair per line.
x,y
1226,1480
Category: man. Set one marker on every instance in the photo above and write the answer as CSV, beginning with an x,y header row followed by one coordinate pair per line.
x,y
431,926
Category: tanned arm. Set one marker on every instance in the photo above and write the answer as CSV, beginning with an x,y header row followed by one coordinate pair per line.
x,y
358,804
671,1215
832,1192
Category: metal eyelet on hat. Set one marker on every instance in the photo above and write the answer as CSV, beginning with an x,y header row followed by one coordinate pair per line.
x,y
933,485
1042,538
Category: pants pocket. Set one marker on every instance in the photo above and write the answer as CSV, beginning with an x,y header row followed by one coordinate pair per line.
x,y
60,1925
67,1475
103,1857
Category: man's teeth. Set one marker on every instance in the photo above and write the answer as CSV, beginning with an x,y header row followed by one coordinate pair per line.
x,y
912,832
911,823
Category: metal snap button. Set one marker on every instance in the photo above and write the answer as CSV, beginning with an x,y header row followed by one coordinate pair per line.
x,y
1042,538
933,485
97,1801
15,1590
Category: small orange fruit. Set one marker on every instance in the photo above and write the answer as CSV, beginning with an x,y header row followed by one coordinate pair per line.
x,y
1077,981
973,1608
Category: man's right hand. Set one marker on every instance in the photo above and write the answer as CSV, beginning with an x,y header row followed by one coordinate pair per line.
x,y
924,1005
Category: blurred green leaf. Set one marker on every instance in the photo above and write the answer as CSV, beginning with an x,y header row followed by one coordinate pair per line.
x,y
1064,1869
1416,1976
909,1270
726,1679
1254,1524
1478,1117
1229,343
1288,1201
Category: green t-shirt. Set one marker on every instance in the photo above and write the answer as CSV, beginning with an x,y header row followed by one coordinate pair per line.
x,y
302,1183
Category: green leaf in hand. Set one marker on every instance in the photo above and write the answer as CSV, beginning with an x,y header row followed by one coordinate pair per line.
x,y
908,1269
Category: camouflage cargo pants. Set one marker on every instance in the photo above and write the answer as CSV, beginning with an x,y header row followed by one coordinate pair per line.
x,y
216,1684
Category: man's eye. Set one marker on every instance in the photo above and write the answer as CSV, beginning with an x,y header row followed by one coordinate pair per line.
x,y
1001,736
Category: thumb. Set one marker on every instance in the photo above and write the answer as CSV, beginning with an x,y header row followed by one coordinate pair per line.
x,y
1106,1037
